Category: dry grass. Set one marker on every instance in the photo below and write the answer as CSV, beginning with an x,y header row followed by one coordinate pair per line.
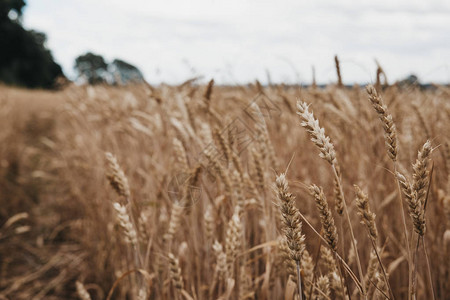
x,y
186,203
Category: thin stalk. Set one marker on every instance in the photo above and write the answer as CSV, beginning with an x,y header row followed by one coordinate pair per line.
x,y
382,268
418,243
429,268
378,289
343,275
236,274
413,290
341,229
343,279
358,261
321,293
405,229
299,280
344,264
423,238
314,270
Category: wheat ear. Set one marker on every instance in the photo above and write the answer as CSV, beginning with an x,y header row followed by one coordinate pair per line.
x,y
223,143
292,225
390,131
338,71
116,176
366,215
221,259
208,91
125,222
421,173
323,285
175,273
233,241
316,132
285,256
326,218
339,198
181,157
307,271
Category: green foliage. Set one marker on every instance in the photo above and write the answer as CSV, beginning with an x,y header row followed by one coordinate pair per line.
x,y
7,5
124,72
91,67
24,59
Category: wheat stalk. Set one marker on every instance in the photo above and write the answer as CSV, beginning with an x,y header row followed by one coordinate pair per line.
x,y
316,132
421,173
292,225
326,218
258,163
339,198
338,71
209,222
181,157
307,264
367,216
125,222
285,256
208,91
391,142
221,259
223,143
390,131
117,177
328,153
175,273
291,219
233,240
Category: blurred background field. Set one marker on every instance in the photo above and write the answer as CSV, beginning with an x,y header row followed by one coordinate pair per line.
x,y
57,208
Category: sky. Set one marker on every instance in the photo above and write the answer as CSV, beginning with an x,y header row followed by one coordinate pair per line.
x,y
238,41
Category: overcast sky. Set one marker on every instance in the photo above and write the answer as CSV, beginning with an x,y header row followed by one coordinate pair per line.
x,y
238,41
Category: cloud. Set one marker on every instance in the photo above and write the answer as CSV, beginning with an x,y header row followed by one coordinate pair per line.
x,y
237,41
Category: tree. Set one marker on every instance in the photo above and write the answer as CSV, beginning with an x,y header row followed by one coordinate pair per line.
x,y
92,68
6,6
409,81
24,59
124,73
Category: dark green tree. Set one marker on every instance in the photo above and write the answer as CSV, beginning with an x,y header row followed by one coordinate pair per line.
x,y
6,6
92,68
24,59
124,73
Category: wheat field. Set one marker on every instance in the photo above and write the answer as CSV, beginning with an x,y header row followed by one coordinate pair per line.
x,y
225,192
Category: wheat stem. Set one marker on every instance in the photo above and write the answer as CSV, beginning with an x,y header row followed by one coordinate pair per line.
x,y
299,278
429,268
358,261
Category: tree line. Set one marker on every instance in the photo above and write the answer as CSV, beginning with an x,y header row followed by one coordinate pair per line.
x,y
26,61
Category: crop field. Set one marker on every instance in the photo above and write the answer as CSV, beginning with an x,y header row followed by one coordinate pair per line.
x,y
202,191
